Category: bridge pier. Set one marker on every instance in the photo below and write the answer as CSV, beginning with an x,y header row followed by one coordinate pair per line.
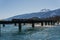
x,y
57,22
41,23
3,25
15,24
45,23
53,23
33,25
0,29
48,23
23,23
19,27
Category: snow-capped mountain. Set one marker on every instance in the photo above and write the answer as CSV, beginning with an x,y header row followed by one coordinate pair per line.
x,y
47,14
45,10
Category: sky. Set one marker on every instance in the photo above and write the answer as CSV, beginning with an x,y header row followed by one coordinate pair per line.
x,y
9,8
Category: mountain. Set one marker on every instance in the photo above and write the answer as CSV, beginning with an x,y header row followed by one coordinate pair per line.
x,y
45,10
47,14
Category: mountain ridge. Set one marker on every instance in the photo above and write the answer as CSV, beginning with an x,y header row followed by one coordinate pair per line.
x,y
47,14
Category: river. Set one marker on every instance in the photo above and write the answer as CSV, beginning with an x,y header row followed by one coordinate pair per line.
x,y
10,32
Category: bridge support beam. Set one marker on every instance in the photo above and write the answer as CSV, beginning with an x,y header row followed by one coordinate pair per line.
x,y
19,26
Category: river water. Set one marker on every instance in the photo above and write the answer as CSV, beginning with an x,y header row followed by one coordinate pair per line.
x,y
10,32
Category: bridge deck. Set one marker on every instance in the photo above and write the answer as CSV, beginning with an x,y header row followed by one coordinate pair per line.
x,y
24,21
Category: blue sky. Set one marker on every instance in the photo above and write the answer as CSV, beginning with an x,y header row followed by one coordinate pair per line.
x,y
10,8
